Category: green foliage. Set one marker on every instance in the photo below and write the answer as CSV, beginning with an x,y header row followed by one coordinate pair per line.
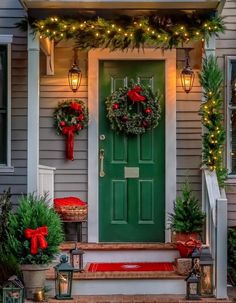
x,y
232,254
187,216
34,212
8,264
133,118
127,32
211,79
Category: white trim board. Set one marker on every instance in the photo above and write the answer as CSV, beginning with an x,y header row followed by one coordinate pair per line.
x,y
94,56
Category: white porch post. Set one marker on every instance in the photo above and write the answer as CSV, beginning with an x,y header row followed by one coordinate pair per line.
x,y
33,113
221,249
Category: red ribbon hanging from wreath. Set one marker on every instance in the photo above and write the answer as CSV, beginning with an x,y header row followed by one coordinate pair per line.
x,y
37,238
69,131
134,94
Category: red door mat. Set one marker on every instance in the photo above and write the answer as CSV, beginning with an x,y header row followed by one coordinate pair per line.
x,y
145,266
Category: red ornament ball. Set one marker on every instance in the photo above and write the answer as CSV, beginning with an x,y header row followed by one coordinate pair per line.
x,y
80,117
62,123
116,106
148,110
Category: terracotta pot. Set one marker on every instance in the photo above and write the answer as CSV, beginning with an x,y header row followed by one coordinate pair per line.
x,y
34,277
180,236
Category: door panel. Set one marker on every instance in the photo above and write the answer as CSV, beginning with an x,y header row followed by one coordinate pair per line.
x,y
132,192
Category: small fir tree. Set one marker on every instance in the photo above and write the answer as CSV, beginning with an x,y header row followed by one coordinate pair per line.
x,y
187,216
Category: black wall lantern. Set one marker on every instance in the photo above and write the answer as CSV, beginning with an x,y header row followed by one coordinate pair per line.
x,y
187,74
206,264
74,75
63,279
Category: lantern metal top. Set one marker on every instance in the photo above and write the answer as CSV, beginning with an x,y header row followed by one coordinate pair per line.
x,y
75,69
195,253
64,265
192,278
13,281
206,257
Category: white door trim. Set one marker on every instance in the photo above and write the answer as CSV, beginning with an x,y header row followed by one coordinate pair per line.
x,y
94,56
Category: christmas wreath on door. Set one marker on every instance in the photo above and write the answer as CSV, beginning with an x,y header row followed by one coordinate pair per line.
x,y
133,110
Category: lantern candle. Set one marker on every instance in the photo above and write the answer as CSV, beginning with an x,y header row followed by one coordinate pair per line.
x,y
63,284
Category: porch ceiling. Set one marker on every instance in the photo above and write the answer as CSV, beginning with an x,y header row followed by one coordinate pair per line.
x,y
124,4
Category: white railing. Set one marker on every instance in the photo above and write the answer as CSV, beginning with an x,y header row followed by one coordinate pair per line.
x,y
46,181
215,206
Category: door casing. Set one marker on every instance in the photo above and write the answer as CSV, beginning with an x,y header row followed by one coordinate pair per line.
x,y
94,56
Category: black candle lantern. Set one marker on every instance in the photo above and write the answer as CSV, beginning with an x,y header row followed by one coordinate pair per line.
x,y
206,265
63,279
76,257
13,291
192,287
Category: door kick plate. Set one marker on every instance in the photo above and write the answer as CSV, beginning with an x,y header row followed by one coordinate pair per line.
x,y
131,172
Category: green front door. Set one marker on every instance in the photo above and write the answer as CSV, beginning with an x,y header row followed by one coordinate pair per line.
x,y
132,191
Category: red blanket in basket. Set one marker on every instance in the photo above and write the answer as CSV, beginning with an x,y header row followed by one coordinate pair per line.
x,y
68,201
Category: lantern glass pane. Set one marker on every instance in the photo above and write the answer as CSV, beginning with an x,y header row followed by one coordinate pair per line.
x,y
12,295
193,288
206,280
64,283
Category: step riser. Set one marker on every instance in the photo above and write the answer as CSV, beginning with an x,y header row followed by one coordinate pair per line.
x,y
129,256
124,287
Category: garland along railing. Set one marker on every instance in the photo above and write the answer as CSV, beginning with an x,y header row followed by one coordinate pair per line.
x,y
215,206
214,175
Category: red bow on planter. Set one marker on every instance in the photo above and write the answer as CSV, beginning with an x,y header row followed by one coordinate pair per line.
x,y
186,248
69,131
37,237
134,94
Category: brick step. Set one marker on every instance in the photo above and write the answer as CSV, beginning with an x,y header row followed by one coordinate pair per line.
x,y
136,299
124,252
118,246
111,275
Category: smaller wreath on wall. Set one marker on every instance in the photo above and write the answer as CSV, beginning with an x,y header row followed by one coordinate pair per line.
x,y
133,110
70,117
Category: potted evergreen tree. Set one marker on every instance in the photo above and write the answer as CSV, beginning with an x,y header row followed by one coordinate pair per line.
x,y
35,233
187,219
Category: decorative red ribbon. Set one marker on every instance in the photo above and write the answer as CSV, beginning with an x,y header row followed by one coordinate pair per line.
x,y
37,237
69,131
134,94
186,248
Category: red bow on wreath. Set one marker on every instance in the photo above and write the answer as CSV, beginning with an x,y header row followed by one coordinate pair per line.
x,y
37,237
134,94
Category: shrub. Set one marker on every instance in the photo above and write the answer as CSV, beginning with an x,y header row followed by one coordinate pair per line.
x,y
33,212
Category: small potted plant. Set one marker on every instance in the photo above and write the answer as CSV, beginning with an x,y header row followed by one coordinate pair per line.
x,y
35,233
187,219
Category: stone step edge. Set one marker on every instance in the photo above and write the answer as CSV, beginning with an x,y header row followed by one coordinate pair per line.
x,y
111,275
134,298
118,246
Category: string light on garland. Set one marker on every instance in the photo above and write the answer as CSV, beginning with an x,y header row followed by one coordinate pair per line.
x,y
156,31
211,80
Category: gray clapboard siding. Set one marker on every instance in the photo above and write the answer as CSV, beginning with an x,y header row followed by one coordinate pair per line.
x,y
226,45
10,13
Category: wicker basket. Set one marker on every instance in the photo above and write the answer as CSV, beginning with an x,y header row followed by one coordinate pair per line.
x,y
73,213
